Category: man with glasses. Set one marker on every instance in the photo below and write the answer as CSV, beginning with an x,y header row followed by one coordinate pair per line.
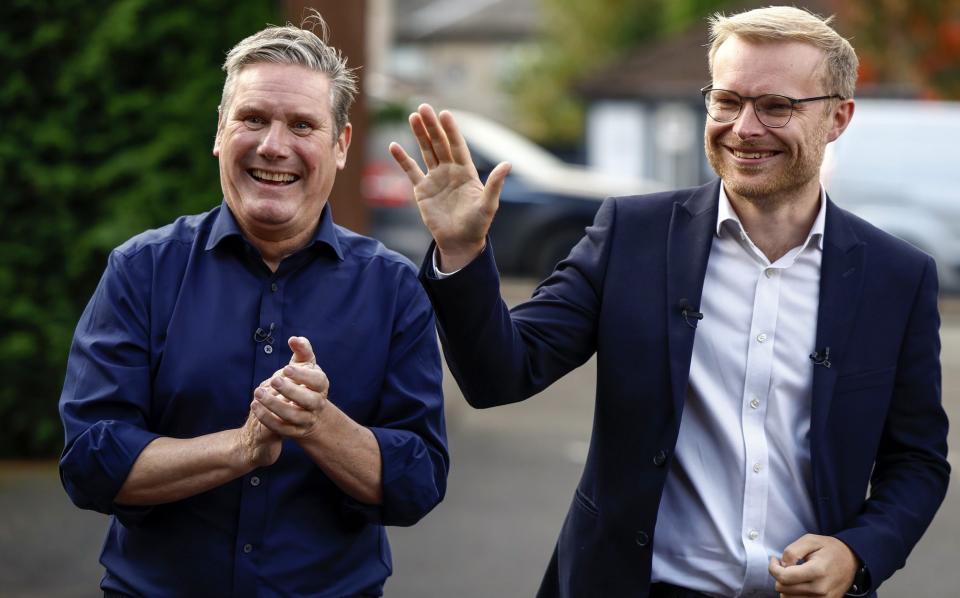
x,y
768,415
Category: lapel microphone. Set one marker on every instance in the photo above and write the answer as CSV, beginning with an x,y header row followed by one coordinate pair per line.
x,y
687,311
261,335
819,358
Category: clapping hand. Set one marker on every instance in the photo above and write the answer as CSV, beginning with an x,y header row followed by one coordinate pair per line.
x,y
289,402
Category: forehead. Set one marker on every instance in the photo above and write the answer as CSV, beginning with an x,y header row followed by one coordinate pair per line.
x,y
285,86
755,67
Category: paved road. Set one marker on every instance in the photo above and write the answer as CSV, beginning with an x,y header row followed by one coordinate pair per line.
x,y
514,471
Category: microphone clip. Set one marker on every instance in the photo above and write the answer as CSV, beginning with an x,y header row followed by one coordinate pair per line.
x,y
261,335
688,312
819,358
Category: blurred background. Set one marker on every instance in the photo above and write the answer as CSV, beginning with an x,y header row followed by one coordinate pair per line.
x,y
109,113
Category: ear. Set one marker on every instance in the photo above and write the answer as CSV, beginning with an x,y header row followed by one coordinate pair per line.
x,y
343,144
841,118
216,139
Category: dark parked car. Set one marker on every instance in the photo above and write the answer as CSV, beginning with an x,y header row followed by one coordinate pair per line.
x,y
544,207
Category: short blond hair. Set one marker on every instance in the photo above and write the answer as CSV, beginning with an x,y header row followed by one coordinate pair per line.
x,y
786,23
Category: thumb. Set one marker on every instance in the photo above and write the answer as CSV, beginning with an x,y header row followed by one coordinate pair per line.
x,y
801,550
302,350
491,191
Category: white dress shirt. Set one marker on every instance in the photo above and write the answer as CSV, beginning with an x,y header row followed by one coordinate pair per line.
x,y
739,488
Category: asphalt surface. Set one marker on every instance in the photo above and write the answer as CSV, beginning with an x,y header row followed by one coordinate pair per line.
x,y
513,475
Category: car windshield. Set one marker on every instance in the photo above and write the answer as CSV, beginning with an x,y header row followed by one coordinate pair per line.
x,y
492,143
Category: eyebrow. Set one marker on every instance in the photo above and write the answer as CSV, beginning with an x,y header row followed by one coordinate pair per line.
x,y
298,116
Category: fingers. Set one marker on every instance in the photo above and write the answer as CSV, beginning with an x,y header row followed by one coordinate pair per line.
x,y
302,350
268,419
312,377
801,549
422,136
439,139
408,164
793,576
437,133
295,394
279,414
456,143
491,191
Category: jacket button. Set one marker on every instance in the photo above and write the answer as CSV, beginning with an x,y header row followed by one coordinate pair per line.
x,y
642,539
660,458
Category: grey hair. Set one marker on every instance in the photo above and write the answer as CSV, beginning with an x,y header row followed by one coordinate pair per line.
x,y
786,23
300,46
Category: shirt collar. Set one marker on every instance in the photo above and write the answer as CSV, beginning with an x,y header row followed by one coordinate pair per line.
x,y
225,226
726,213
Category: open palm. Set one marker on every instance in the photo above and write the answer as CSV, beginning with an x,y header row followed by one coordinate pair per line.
x,y
455,206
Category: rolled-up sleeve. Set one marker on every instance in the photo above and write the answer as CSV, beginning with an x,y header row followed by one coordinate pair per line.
x,y
410,425
106,393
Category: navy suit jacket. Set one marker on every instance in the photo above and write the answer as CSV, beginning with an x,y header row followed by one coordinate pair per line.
x,y
877,426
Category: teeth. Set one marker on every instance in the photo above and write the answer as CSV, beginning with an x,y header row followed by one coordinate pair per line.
x,y
753,155
279,177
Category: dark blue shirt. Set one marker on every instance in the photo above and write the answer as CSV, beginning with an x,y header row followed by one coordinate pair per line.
x,y
167,347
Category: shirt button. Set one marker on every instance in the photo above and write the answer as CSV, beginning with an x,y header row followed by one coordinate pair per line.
x,y
770,272
753,535
254,481
274,287
762,337
268,349
248,548
757,467
754,403
642,539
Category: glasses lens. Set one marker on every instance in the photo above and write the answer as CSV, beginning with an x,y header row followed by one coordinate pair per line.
x,y
722,106
774,110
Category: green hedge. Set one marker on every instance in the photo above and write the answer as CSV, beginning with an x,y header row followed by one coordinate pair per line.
x,y
108,117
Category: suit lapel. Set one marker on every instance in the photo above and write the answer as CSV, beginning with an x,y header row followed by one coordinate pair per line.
x,y
841,286
692,226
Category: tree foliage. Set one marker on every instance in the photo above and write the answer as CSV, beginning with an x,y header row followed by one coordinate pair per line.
x,y
109,116
912,44
578,36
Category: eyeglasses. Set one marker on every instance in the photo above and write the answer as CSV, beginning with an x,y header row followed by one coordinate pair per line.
x,y
772,110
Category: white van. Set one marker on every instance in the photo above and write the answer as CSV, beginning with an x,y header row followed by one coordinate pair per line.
x,y
898,166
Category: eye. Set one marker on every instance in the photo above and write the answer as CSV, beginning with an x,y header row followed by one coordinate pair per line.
x,y
254,121
777,106
724,101
302,127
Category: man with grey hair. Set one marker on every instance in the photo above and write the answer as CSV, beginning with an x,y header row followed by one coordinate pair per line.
x,y
232,463
768,415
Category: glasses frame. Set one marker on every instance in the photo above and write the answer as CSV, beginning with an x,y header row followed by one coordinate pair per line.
x,y
753,99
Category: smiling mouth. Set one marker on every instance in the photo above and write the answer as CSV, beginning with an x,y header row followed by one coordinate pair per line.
x,y
272,178
752,154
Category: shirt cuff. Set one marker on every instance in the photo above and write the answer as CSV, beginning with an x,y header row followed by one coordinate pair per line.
x,y
436,268
414,477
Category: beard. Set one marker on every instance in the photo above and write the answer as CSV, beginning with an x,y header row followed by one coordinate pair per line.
x,y
774,188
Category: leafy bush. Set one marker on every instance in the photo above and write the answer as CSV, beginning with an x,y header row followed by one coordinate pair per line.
x,y
109,113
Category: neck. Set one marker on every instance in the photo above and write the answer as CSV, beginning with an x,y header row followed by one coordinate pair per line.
x,y
777,226
274,248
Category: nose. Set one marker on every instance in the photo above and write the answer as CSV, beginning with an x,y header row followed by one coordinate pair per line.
x,y
273,145
747,124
